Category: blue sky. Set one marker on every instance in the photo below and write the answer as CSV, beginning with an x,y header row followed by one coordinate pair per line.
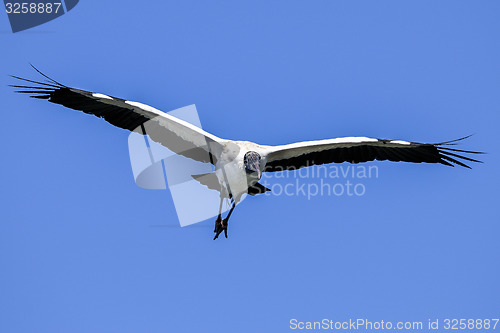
x,y
83,249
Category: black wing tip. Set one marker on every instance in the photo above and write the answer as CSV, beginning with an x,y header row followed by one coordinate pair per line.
x,y
50,83
43,84
452,156
47,77
462,151
37,89
453,142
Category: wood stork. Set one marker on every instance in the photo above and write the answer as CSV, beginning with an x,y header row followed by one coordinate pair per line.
x,y
238,165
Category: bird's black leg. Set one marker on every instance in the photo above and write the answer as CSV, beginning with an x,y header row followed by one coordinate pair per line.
x,y
217,222
224,222
219,218
221,224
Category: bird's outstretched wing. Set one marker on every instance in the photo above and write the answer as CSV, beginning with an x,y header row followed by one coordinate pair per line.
x,y
177,135
362,149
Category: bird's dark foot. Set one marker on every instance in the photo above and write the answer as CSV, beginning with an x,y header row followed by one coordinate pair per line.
x,y
217,222
220,225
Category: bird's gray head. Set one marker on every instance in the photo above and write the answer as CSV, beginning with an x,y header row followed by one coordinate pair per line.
x,y
252,163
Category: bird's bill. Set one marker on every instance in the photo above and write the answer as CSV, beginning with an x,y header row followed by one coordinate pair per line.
x,y
253,165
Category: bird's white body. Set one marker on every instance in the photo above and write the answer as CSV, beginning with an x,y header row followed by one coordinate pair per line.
x,y
230,168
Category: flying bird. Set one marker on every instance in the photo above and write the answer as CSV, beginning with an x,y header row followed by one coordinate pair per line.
x,y
238,165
